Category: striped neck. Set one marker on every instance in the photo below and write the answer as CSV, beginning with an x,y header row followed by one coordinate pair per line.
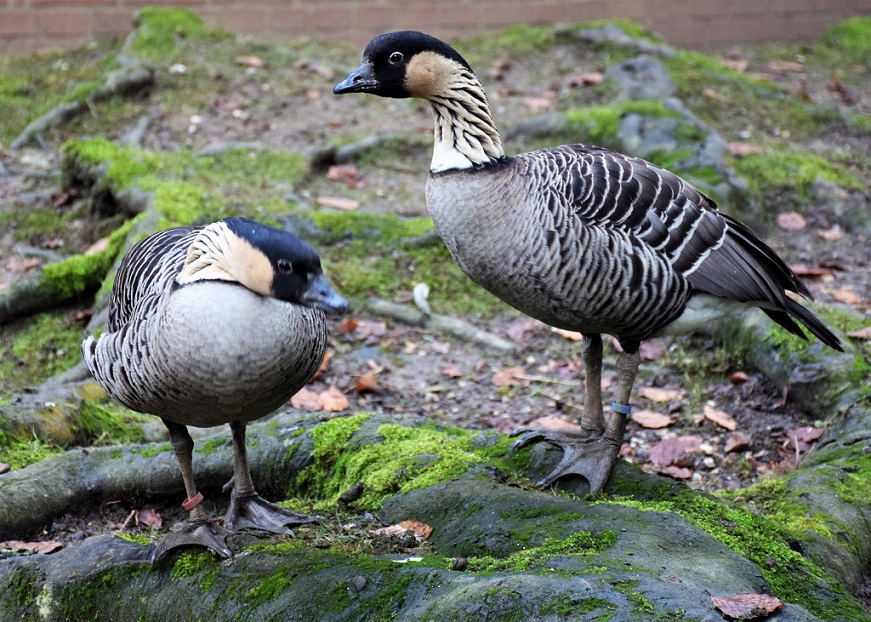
x,y
464,133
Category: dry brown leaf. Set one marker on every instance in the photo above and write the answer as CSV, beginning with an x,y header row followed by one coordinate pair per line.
x,y
4,467
738,441
790,221
651,419
582,79
348,325
676,472
451,371
739,377
149,517
366,382
659,395
521,330
552,422
831,235
442,347
743,149
735,64
509,375
846,295
340,203
328,354
249,61
571,335
715,95
864,333
346,173
305,400
652,349
785,66
809,271
747,606
333,400
720,418
806,434
421,530
369,328
666,451
20,266
34,547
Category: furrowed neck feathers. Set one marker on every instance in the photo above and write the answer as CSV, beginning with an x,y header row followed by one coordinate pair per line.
x,y
464,133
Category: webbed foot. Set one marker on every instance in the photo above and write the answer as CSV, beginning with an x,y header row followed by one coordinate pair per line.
x,y
254,512
207,534
592,458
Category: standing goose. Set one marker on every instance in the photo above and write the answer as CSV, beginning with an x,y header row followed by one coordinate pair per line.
x,y
212,325
581,238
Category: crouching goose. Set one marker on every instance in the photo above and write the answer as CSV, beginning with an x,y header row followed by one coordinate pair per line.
x,y
211,325
581,238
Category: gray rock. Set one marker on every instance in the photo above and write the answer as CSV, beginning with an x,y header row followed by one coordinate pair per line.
x,y
612,33
642,77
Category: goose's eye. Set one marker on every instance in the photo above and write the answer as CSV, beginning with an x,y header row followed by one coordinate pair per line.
x,y
395,58
284,266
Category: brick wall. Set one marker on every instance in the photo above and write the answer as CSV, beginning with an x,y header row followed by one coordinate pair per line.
x,y
26,25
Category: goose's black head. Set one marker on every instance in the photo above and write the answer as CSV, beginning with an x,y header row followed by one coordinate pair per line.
x,y
276,263
403,64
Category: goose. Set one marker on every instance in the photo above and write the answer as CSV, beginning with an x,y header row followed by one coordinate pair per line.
x,y
580,237
209,325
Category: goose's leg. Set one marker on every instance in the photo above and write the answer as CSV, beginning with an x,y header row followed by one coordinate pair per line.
x,y
201,531
593,453
248,510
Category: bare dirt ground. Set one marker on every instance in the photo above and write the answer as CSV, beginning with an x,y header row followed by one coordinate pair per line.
x,y
760,431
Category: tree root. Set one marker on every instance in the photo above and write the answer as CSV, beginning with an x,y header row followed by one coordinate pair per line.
x,y
133,77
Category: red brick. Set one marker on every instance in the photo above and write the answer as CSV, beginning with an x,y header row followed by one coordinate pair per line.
x,y
64,22
242,18
290,19
47,3
112,21
17,22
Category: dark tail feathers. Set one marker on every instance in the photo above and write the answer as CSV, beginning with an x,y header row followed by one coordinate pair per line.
x,y
810,321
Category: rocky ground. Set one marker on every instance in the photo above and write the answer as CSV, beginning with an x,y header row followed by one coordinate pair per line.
x,y
780,136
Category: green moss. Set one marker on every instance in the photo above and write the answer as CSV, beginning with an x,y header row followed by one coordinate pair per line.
x,y
850,40
791,577
270,587
161,32
567,606
150,451
21,452
774,171
580,543
142,539
105,422
406,459
601,123
19,592
83,90
47,345
211,446
191,563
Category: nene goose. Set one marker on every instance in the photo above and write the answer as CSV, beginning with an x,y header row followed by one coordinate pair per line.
x,y
212,325
581,238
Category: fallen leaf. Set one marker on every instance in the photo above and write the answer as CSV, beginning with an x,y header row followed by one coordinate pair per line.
x,y
747,606
831,235
451,371
864,333
348,325
738,441
20,266
651,419
149,517
539,103
659,395
441,347
421,530
53,243
249,61
4,467
667,451
652,349
346,173
341,203
313,94
328,354
790,221
34,547
552,422
846,295
743,149
715,95
508,376
521,330
676,472
369,328
739,377
735,64
583,79
785,66
80,315
366,382
720,418
571,335
305,400
806,434
333,400
802,270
